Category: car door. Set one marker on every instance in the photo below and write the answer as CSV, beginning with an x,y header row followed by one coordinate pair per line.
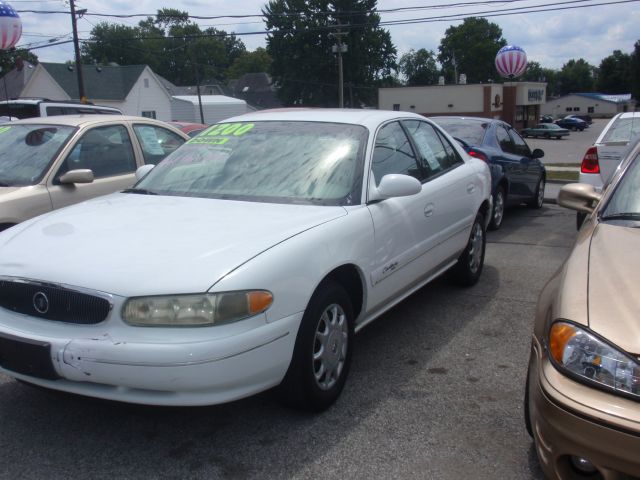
x,y
409,232
105,150
514,168
531,167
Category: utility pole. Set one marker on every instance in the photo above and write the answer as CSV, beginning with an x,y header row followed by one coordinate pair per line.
x,y
76,47
339,48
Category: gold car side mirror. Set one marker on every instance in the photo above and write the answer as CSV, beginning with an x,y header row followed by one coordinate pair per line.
x,y
579,196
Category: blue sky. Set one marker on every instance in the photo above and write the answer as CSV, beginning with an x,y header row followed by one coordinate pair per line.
x,y
550,38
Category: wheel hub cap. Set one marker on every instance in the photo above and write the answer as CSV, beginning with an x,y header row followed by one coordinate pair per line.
x,y
330,346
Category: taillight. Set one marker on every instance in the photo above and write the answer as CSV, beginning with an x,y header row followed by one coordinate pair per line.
x,y
590,161
477,154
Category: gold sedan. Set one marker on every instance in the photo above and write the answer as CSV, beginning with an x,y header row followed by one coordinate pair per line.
x,y
51,162
582,400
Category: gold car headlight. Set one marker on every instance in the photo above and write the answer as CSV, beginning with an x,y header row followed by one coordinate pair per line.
x,y
195,310
585,356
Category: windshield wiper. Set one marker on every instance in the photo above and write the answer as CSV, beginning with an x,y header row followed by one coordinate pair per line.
x,y
140,191
622,216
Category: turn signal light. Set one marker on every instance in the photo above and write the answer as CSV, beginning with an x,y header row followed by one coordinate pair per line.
x,y
559,336
590,161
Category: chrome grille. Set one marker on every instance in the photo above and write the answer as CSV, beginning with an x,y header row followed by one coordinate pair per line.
x,y
53,302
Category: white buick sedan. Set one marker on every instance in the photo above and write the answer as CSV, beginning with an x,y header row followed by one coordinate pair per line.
x,y
245,260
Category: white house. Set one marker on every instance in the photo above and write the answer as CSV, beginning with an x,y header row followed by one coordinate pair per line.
x,y
134,89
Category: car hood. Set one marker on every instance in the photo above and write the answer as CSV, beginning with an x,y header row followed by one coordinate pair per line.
x,y
131,245
614,276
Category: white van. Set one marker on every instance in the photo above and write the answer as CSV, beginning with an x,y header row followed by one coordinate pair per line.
x,y
42,107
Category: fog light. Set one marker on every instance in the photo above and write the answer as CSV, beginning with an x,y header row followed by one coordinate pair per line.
x,y
583,465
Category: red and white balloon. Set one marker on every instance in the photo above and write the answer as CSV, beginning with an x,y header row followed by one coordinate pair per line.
x,y
10,26
511,61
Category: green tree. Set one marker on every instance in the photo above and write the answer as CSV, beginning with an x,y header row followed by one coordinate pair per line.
x,y
471,48
533,73
635,71
300,44
8,59
576,76
419,67
250,62
170,44
614,73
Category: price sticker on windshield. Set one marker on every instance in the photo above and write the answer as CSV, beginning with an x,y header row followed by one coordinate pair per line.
x,y
221,133
4,129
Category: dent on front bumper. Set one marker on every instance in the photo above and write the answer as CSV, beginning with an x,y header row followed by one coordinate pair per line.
x,y
181,372
597,426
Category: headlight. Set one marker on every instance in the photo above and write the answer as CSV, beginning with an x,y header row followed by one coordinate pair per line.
x,y
195,310
579,352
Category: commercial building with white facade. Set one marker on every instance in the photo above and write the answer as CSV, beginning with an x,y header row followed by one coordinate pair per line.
x,y
517,103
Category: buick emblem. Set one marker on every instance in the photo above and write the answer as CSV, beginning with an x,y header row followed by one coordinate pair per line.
x,y
41,302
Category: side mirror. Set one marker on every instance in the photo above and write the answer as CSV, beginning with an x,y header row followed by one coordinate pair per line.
x,y
537,153
81,175
143,170
395,185
581,197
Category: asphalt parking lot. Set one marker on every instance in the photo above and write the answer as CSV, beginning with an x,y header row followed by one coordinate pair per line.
x,y
435,391
569,149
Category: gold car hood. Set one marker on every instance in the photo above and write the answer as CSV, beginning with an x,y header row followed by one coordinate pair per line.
x,y
614,285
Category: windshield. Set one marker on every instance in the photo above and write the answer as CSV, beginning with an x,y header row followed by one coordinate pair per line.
x,y
469,131
625,201
26,151
622,130
272,161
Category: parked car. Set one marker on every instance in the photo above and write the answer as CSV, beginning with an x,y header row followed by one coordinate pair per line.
x,y
582,399
43,107
244,260
586,118
572,123
546,119
191,129
52,162
546,130
517,175
602,159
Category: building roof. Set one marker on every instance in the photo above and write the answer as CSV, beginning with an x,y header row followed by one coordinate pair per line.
x,y
100,83
15,80
257,89
604,97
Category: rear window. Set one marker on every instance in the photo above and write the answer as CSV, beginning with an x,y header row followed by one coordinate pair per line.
x,y
469,131
622,130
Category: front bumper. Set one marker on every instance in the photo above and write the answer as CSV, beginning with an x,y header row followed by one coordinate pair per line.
x,y
569,419
154,366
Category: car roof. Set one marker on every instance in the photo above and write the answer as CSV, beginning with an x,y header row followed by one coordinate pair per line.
x,y
81,120
459,117
365,117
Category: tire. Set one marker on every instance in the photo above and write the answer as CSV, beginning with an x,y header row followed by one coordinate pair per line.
x,y
559,137
538,199
546,135
322,352
497,215
469,267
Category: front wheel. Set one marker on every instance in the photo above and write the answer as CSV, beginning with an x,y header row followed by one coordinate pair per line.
x,y
498,209
538,199
469,267
322,352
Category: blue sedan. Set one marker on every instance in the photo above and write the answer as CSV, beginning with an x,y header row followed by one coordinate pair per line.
x,y
517,174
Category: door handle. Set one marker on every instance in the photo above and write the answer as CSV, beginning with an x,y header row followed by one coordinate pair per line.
x,y
428,210
471,188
